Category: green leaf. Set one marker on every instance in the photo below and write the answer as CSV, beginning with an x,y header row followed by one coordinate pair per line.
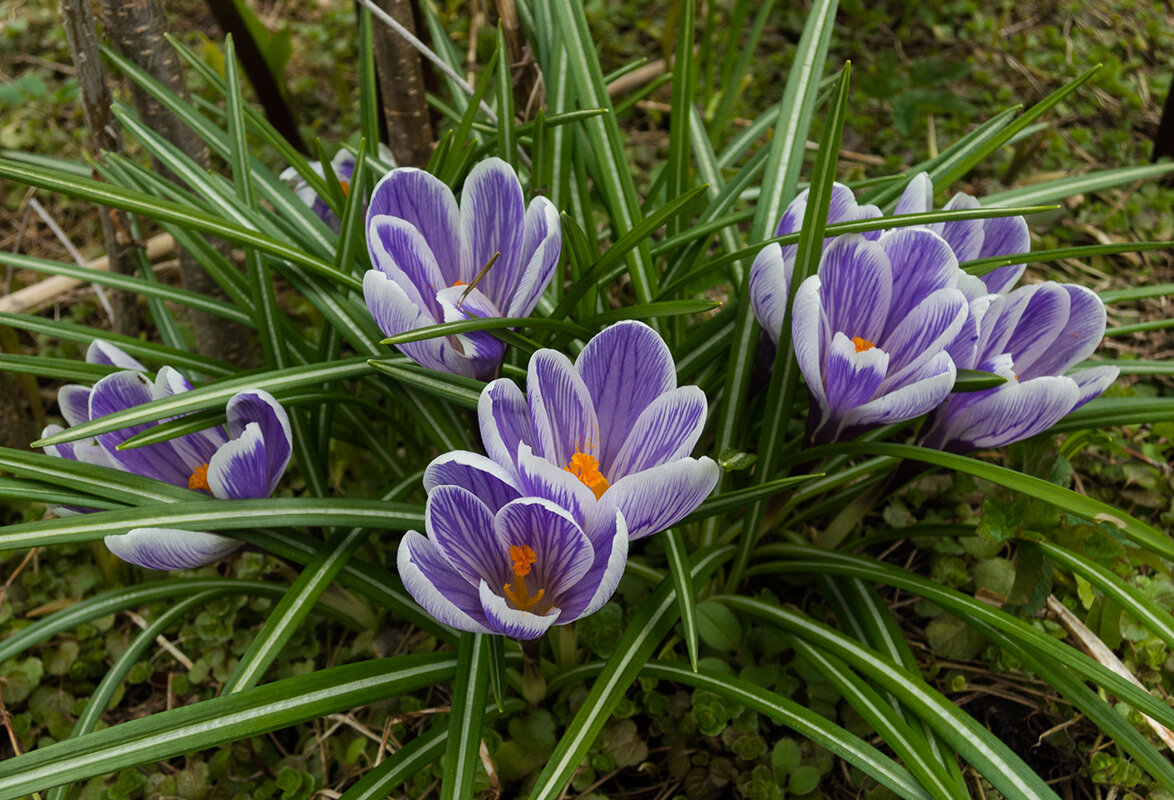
x,y
975,380
215,515
1050,191
728,501
784,711
214,394
167,734
488,324
718,626
454,388
678,560
463,750
649,625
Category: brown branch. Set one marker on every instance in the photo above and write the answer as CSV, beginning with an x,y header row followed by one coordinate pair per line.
x,y
401,88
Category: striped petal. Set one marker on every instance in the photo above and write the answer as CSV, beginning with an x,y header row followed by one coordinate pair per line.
x,y
769,286
438,589
170,548
427,204
542,244
240,469
260,407
660,497
625,367
485,478
561,409
103,352
462,529
493,223
503,619
668,429
399,251
600,583
504,418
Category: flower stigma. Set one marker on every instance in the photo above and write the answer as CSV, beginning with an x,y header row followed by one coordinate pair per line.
x,y
523,557
586,469
199,479
862,344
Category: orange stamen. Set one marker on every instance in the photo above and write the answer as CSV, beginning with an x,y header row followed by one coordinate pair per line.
x,y
523,557
458,283
862,344
346,188
199,479
586,469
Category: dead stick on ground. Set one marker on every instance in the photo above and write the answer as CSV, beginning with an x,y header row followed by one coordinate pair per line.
x,y
163,642
1094,647
40,294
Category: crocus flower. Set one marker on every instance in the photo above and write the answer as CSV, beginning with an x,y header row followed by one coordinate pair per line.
x,y
514,571
610,431
247,461
434,263
770,275
343,165
871,328
1031,336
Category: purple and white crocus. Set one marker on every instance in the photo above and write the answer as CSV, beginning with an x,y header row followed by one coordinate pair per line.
x,y
514,570
1031,336
435,262
871,328
343,166
770,275
610,431
246,461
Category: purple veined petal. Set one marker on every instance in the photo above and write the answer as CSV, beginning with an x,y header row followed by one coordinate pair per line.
x,y
1092,381
922,263
1044,317
257,405
917,198
461,527
542,245
963,349
170,548
856,285
1004,236
540,478
601,581
493,220
482,348
343,165
194,449
427,204
853,376
399,251
438,589
1078,338
560,407
668,429
240,469
768,289
64,450
503,416
1009,413
624,367
507,621
123,390
807,337
169,382
660,497
998,322
927,390
965,236
841,208
486,479
930,326
563,553
395,313
103,352
74,402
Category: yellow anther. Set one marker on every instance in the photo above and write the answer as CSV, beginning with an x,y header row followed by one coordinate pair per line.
x,y
523,557
586,469
199,479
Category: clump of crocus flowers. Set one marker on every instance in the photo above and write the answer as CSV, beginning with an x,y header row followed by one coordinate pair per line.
x,y
246,461
882,328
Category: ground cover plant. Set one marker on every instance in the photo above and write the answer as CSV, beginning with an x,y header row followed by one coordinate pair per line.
x,y
739,459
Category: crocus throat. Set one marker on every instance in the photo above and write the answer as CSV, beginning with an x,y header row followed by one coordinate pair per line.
x,y
523,557
862,344
199,479
586,469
